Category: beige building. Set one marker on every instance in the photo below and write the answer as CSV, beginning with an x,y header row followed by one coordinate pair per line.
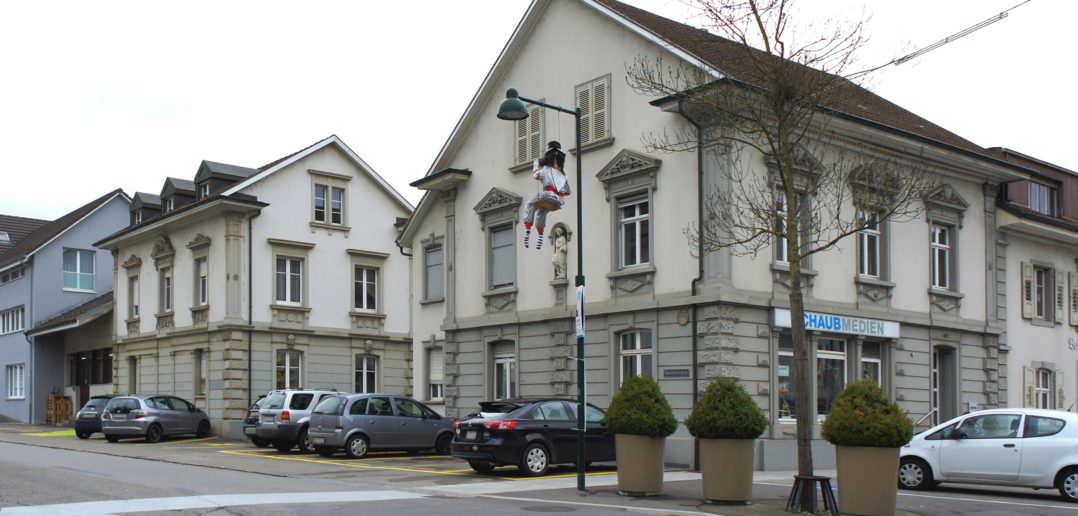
x,y
917,313
259,279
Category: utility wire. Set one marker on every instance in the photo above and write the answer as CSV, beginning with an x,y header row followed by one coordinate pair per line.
x,y
899,60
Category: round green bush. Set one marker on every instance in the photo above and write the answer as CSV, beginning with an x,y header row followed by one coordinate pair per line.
x,y
640,408
863,416
726,411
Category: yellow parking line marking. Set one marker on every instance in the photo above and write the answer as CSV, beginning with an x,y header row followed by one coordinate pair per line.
x,y
50,434
347,464
185,441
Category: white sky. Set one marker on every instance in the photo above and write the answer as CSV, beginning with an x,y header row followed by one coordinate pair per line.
x,y
100,95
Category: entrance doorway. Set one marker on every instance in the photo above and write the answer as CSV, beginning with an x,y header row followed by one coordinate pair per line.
x,y
944,387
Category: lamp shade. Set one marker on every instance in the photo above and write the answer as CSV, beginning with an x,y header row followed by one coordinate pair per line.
x,y
512,107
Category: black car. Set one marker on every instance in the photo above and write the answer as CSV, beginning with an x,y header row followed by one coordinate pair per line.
x,y
250,424
531,434
88,420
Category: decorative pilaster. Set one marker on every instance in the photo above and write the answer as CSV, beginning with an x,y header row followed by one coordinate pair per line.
x,y
234,273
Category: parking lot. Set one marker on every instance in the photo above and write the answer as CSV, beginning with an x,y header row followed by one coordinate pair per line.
x,y
396,468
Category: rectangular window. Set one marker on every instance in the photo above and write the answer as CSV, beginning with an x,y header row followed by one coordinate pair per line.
x,y
830,374
289,279
436,391
528,144
1042,199
941,256
868,247
200,364
365,290
11,275
201,281
78,269
204,190
593,100
502,258
435,374
781,247
787,402
336,206
289,363
434,277
871,360
366,373
320,203
637,354
164,285
505,376
11,320
137,217
1041,292
169,205
1042,392
132,297
132,374
633,221
16,381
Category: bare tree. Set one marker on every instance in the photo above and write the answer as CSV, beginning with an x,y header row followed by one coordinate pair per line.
x,y
797,180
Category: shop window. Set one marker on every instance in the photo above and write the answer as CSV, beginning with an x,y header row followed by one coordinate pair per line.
x,y
830,374
637,354
871,361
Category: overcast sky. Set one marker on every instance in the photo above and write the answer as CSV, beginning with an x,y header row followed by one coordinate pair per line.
x,y
103,95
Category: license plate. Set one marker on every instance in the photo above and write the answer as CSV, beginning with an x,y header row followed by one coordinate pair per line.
x,y
318,440
470,435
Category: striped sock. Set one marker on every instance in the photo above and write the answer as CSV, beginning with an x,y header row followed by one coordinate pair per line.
x,y
539,241
527,235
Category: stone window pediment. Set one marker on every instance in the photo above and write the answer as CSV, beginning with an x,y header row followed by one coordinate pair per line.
x,y
132,262
945,204
199,241
497,205
162,252
806,169
628,170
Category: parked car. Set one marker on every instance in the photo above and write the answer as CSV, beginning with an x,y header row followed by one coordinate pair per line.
x,y
363,422
250,424
152,416
532,434
1005,447
284,414
88,419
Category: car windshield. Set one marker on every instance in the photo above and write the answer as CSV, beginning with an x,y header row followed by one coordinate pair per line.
x,y
329,405
96,403
274,401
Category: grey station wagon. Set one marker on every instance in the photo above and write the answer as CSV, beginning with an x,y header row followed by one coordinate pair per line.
x,y
152,416
363,422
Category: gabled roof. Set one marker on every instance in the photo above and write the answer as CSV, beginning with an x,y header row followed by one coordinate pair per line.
x,y
269,169
174,185
17,228
47,232
145,200
76,316
208,169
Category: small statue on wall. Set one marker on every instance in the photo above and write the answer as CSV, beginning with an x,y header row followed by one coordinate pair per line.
x,y
560,238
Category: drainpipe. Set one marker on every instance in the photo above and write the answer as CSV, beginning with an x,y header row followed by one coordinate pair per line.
x,y
694,286
250,304
29,340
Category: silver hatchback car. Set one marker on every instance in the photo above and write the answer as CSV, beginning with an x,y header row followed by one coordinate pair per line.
x,y
152,416
362,422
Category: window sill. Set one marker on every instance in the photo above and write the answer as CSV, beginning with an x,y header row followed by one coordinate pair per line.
x,y
79,290
874,289
297,308
1042,322
631,271
431,301
200,314
597,144
523,167
785,267
499,291
945,300
16,398
332,227
934,291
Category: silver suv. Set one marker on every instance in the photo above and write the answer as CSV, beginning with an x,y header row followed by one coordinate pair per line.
x,y
284,415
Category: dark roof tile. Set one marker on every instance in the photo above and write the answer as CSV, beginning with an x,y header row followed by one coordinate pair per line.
x,y
17,228
45,232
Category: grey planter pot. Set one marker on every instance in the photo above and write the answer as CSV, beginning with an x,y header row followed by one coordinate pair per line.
x,y
640,464
726,469
867,480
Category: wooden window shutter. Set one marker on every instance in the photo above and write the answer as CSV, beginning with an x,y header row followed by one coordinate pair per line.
x,y
1061,295
1029,381
1027,290
583,101
1073,284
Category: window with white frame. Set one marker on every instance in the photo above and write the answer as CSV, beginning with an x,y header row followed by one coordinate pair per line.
x,y
11,320
593,99
502,257
1041,292
830,374
505,376
78,269
941,268
289,280
365,288
137,217
634,233
164,290
435,374
528,140
1043,390
781,245
637,354
871,361
169,205
434,277
15,376
204,190
787,401
366,373
132,296
202,275
868,246
289,369
1042,199
12,275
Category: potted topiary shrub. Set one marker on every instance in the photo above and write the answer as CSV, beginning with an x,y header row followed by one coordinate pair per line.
x,y
727,422
867,430
640,419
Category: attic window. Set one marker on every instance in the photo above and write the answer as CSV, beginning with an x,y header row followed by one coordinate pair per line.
x,y
4,237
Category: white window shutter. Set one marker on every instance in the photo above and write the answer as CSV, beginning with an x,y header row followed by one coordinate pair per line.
x,y
1061,295
583,101
1060,398
1074,297
599,112
1028,383
521,142
1027,290
436,365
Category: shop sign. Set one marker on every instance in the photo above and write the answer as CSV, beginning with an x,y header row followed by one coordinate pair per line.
x,y
840,324
675,373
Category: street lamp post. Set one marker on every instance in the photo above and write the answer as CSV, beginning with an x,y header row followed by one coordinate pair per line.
x,y
512,108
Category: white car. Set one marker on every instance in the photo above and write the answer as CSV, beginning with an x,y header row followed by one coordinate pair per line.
x,y
1004,447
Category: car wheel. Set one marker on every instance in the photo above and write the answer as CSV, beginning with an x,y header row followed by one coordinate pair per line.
x,y
441,445
203,429
154,434
356,447
535,460
112,438
481,466
304,441
83,435
260,442
1067,482
914,474
325,451
283,446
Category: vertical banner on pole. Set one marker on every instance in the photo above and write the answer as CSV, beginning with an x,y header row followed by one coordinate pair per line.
x,y
580,312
